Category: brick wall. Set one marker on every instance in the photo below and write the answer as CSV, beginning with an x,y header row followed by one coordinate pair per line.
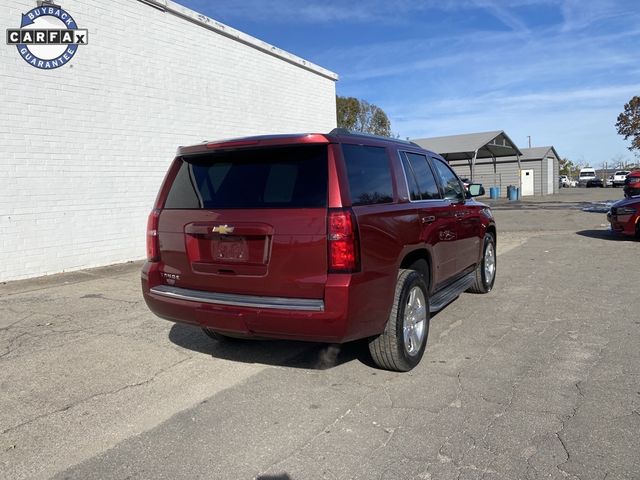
x,y
83,148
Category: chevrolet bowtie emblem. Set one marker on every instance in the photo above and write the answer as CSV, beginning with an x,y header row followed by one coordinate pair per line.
x,y
223,229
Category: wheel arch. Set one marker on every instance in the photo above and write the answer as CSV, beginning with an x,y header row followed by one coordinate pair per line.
x,y
491,228
415,256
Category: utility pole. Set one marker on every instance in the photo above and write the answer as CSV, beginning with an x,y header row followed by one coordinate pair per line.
x,y
529,137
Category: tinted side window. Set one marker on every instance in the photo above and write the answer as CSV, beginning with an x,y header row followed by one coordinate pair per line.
x,y
285,177
426,182
452,189
368,174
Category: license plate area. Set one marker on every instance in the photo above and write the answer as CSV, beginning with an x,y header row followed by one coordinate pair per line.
x,y
230,249
245,252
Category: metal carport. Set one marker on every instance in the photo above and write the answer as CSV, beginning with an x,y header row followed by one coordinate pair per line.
x,y
472,146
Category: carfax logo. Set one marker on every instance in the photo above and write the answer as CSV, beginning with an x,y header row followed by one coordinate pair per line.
x,y
48,36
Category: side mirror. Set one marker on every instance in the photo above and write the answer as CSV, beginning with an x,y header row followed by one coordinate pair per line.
x,y
476,190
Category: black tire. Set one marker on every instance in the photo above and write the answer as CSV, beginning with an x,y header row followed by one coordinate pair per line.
x,y
401,346
485,275
218,336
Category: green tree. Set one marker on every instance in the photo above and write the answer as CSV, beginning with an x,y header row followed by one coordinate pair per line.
x,y
361,116
628,124
567,167
347,109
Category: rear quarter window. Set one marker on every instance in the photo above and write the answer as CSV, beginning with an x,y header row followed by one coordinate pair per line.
x,y
369,174
420,178
284,177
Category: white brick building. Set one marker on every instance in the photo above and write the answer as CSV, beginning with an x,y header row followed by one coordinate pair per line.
x,y
84,147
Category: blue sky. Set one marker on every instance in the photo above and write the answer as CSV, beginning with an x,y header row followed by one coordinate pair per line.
x,y
559,71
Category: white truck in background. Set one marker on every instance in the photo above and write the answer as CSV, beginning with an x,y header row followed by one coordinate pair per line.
x,y
619,178
586,174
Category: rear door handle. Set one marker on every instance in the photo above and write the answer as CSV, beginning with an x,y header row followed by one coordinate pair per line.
x,y
460,214
428,219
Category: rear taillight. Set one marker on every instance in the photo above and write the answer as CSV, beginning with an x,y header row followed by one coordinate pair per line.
x,y
342,239
153,243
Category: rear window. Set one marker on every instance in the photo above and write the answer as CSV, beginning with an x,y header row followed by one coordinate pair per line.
x,y
285,177
368,174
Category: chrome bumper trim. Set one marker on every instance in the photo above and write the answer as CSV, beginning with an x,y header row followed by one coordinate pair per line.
x,y
251,301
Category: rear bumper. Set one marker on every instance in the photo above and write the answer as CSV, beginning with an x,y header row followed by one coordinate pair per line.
x,y
247,301
336,318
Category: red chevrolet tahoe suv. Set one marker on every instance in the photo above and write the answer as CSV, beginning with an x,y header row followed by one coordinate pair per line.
x,y
320,237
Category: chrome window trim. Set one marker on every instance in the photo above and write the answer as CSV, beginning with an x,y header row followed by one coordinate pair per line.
x,y
250,301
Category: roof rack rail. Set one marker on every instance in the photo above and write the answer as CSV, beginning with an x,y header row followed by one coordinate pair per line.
x,y
344,131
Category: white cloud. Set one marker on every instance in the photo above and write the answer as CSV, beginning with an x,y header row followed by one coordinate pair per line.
x,y
581,14
566,119
505,15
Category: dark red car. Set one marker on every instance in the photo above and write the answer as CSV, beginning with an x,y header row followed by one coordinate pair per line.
x,y
320,237
632,184
624,216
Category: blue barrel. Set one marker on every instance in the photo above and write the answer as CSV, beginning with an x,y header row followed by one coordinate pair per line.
x,y
494,193
497,192
512,193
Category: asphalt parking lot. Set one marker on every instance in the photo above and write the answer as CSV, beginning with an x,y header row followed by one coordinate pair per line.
x,y
538,379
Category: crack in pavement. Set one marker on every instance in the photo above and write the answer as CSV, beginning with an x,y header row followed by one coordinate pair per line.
x,y
459,465
99,296
94,396
514,386
579,402
390,431
62,336
457,403
11,346
564,447
509,404
322,431
50,333
12,325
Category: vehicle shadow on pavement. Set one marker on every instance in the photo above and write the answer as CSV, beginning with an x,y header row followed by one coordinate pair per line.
x,y
604,235
283,353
